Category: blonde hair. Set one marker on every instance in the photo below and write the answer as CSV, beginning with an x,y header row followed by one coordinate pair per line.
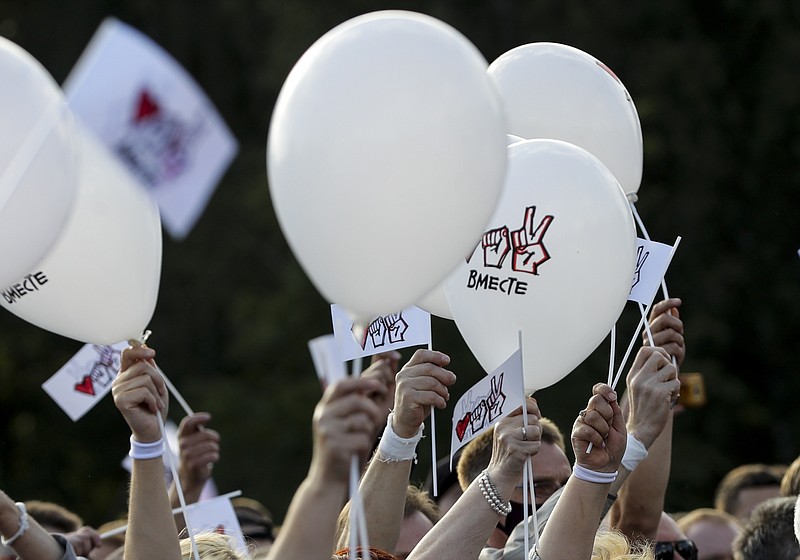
x,y
212,546
613,545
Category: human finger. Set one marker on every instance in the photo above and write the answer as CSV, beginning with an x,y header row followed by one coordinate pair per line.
x,y
428,356
132,354
665,306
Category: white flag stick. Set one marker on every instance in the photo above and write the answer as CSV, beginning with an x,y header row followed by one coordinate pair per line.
x,y
356,515
646,326
175,393
178,487
611,354
434,471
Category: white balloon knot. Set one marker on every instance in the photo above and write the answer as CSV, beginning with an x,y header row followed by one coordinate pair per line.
x,y
633,198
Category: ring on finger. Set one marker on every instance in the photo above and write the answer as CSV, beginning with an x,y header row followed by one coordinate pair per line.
x,y
524,434
582,413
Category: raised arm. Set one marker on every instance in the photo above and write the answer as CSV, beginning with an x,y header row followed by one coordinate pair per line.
x,y
421,384
139,394
570,532
26,536
344,423
199,452
465,528
652,387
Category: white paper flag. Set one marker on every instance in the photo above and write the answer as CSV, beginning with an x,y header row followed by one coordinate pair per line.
x,y
217,515
652,261
488,401
85,379
409,327
325,355
150,112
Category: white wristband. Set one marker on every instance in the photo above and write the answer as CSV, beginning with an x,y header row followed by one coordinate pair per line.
x,y
23,525
144,451
393,448
635,452
588,475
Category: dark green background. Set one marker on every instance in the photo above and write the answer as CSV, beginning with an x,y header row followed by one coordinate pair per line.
x,y
716,85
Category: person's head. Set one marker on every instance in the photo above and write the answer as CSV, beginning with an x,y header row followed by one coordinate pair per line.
x,y
746,486
374,554
613,545
713,531
551,468
255,521
109,544
671,543
790,483
212,546
419,517
52,517
769,535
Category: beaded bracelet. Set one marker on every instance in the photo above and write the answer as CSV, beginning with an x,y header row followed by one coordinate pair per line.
x,y
144,451
23,525
582,473
492,495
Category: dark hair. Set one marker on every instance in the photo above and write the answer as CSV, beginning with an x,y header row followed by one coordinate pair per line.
x,y
742,477
770,533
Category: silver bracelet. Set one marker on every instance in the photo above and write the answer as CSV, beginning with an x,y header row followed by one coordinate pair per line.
x,y
23,525
492,495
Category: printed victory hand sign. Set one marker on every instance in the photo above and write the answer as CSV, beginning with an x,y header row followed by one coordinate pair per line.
x,y
529,249
526,244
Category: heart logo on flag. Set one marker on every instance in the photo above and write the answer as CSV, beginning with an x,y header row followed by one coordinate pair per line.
x,y
85,386
462,425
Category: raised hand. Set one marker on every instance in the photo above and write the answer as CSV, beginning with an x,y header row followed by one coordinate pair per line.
x,y
600,424
199,450
529,249
140,392
667,329
345,421
652,385
513,443
422,383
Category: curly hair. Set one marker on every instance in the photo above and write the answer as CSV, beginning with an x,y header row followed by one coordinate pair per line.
x,y
212,546
613,545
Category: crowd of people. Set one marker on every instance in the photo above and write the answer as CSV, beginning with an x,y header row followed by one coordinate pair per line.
x,y
607,505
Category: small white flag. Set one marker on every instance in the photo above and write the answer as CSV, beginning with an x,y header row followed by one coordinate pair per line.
x,y
652,261
325,355
85,379
155,118
488,401
409,327
217,515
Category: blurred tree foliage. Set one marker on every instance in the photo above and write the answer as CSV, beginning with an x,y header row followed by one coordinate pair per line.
x,y
716,85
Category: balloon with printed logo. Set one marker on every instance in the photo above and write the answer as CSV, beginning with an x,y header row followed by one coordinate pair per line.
x,y
38,161
555,262
99,282
551,90
385,157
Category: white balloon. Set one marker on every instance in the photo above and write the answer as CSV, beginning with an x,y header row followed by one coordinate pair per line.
x,y
38,161
435,302
386,156
556,263
99,282
556,91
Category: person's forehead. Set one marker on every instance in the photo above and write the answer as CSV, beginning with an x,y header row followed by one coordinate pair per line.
x,y
713,538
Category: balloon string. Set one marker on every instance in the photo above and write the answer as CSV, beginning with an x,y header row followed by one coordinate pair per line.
x,y
358,530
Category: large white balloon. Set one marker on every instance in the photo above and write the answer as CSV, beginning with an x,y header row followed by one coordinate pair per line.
x,y
386,157
99,282
38,161
556,263
556,91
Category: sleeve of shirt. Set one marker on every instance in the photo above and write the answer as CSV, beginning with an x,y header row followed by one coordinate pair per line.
x,y
69,552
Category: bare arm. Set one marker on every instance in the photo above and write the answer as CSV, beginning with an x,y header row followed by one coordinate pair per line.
x,y
344,424
465,528
35,542
421,384
139,394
